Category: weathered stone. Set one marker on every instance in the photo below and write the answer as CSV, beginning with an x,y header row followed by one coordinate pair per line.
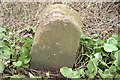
x,y
56,39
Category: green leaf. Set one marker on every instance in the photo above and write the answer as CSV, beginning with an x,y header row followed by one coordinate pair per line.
x,y
95,61
103,63
18,63
116,62
101,73
27,60
115,36
69,73
25,65
117,54
90,67
81,71
7,53
98,56
112,41
2,67
112,68
109,47
108,74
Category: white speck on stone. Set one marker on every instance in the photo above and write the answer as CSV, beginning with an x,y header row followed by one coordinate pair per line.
x,y
54,54
57,43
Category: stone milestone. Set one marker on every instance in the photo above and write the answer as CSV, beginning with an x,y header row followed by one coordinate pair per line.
x,y
57,38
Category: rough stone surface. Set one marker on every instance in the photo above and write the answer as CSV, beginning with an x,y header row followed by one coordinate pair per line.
x,y
56,39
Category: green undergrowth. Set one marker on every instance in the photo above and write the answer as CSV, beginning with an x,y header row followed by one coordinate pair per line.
x,y
96,58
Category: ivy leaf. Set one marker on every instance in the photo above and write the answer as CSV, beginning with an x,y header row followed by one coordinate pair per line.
x,y
109,47
81,71
18,63
108,74
2,67
27,60
91,67
116,62
112,68
69,73
117,55
112,41
103,63
98,56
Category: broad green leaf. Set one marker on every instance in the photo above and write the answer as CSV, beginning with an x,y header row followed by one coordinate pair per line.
x,y
97,49
116,62
103,63
98,56
67,72
95,61
115,36
18,63
109,47
108,74
2,67
90,67
112,41
91,75
81,71
101,73
7,53
117,55
98,42
27,60
25,65
112,68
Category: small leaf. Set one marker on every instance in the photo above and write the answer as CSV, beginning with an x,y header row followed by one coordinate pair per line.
x,y
116,62
112,68
67,72
90,67
109,47
103,63
2,67
81,71
117,55
27,60
18,63
25,65
112,41
98,56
